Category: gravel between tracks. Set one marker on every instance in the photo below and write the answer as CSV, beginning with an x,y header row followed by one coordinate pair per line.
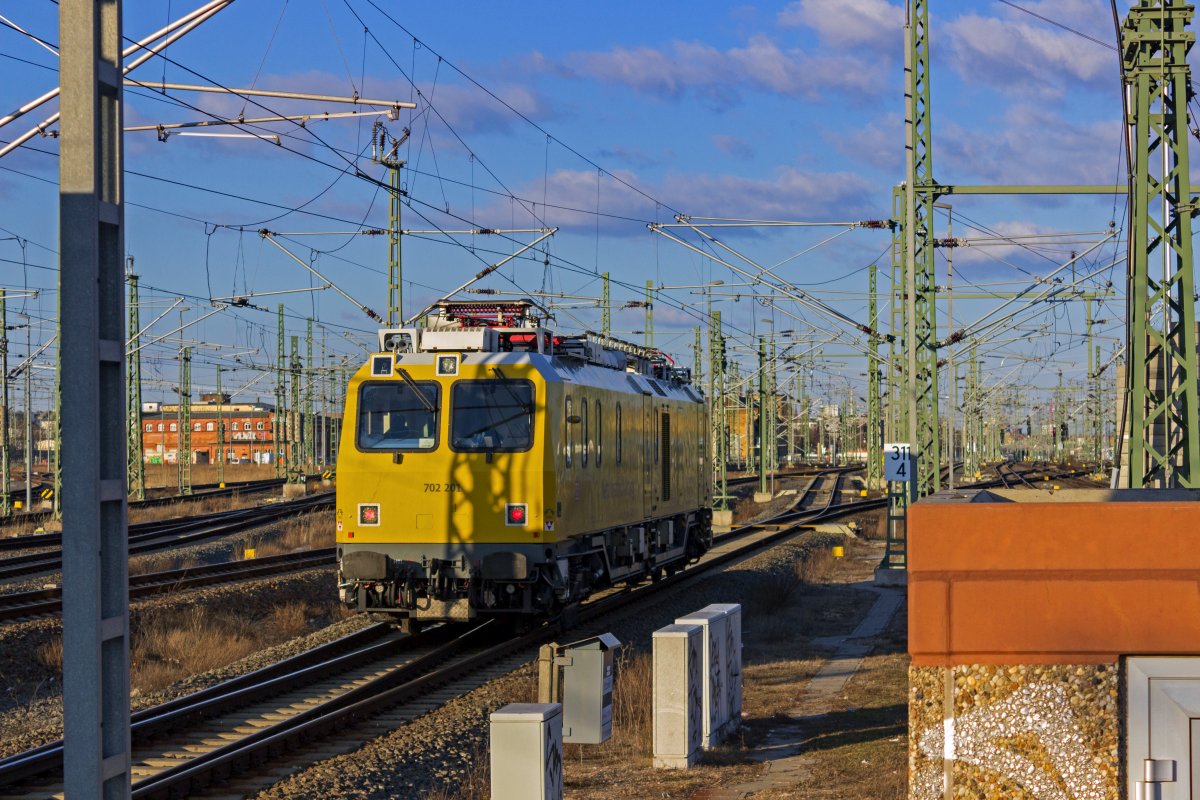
x,y
435,752
214,551
32,704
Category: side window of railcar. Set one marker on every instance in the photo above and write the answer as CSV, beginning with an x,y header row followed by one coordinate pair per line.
x,y
599,434
586,441
567,435
398,416
491,416
619,433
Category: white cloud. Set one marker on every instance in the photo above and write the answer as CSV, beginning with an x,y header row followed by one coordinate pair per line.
x,y
1032,144
789,193
839,23
1024,55
761,65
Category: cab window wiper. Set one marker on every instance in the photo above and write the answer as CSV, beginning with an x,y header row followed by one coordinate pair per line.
x,y
412,385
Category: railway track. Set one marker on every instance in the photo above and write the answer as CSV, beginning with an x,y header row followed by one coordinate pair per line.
x,y
1017,479
201,492
151,536
371,682
745,479
294,710
21,606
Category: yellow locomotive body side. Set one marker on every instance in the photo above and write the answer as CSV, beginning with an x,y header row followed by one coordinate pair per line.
x,y
513,482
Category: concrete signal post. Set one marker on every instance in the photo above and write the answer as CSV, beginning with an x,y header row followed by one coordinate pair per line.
x,y
96,753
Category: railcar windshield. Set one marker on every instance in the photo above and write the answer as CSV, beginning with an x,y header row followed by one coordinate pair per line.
x,y
492,416
398,416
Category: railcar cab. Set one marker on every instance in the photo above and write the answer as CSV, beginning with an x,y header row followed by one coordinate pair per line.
x,y
488,380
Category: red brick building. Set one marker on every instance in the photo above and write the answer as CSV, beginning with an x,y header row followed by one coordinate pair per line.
x,y
246,430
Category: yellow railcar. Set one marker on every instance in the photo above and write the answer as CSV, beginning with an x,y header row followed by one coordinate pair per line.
x,y
491,467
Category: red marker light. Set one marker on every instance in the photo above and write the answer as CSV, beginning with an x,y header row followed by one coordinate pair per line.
x,y
515,514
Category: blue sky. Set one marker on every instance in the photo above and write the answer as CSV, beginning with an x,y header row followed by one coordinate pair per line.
x,y
788,110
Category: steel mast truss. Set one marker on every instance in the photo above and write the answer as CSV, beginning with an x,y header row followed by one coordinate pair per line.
x,y
874,398
921,338
1164,438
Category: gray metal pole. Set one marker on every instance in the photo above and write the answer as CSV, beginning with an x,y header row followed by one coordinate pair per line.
x,y
28,417
91,282
5,417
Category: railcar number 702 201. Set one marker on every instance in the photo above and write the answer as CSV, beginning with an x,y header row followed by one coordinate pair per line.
x,y
442,487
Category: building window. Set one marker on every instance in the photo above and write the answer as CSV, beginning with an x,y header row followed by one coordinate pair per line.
x,y
149,427
235,427
160,427
258,426
174,427
208,426
195,426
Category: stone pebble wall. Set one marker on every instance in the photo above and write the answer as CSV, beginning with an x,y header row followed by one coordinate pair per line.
x,y
1020,732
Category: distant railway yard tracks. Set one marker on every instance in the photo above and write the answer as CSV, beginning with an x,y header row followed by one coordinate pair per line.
x,y
154,536
373,681
328,699
42,602
199,493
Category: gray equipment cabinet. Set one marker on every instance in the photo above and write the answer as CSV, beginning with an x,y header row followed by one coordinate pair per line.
x,y
526,745
587,667
678,680
715,696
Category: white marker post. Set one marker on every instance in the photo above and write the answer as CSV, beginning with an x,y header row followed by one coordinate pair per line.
x,y
900,472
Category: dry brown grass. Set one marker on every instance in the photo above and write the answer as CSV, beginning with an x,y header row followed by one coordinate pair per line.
x,y
169,647
189,508
160,476
289,620
170,644
299,533
50,655
633,699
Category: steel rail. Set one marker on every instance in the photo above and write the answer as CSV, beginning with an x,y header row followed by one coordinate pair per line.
x,y
369,699
42,602
202,492
447,662
149,537
36,761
